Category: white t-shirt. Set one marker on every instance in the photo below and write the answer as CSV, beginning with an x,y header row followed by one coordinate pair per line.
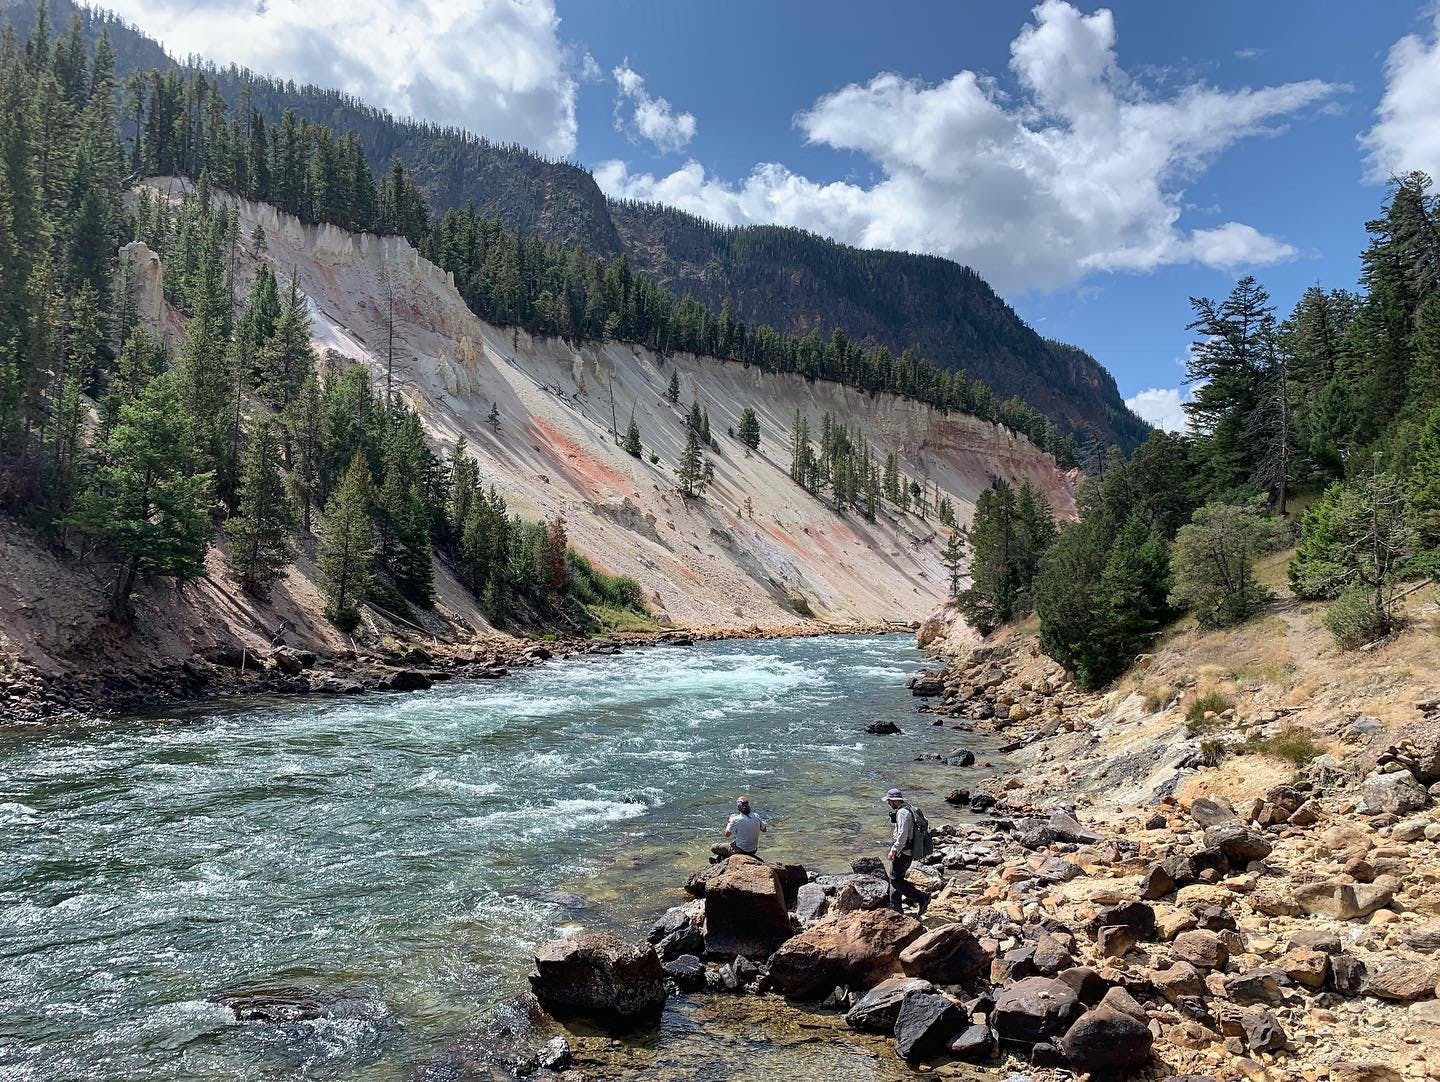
x,y
745,831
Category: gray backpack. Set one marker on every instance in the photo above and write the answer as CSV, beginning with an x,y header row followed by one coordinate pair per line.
x,y
921,844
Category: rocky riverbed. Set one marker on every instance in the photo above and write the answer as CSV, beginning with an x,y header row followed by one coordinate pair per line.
x,y
1097,919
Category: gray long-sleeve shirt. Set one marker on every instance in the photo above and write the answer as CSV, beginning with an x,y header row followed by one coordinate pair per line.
x,y
904,829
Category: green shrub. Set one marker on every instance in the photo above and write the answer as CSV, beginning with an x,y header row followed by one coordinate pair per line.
x,y
1292,743
1214,562
346,619
592,587
1211,702
1353,621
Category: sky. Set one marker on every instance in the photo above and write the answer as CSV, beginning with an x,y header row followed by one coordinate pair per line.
x,y
1097,165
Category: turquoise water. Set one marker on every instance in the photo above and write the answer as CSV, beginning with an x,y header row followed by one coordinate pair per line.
x,y
408,852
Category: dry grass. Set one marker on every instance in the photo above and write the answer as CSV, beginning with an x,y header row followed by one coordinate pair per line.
x,y
1292,744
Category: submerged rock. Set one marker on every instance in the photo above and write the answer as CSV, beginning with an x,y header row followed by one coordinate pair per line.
x,y
617,984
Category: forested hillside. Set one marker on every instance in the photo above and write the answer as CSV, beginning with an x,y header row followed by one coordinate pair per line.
x,y
796,283
165,413
1333,408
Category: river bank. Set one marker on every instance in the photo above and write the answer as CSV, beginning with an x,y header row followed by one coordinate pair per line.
x,y
1122,907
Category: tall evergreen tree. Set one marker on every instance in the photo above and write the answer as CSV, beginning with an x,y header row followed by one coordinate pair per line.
x,y
261,532
148,502
691,467
347,546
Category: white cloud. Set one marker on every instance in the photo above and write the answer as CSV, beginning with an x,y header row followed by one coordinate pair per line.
x,y
494,66
1163,407
1083,171
1405,135
649,117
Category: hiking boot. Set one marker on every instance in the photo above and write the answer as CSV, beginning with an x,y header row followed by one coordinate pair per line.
x,y
924,905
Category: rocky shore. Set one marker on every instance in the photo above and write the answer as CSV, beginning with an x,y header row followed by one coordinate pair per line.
x,y
1097,918
29,695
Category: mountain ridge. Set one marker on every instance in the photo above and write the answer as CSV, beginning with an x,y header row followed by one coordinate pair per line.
x,y
788,278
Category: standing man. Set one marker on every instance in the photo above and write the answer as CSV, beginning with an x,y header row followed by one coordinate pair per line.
x,y
901,854
744,829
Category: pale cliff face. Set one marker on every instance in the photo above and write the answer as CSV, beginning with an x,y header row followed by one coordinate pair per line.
x,y
703,561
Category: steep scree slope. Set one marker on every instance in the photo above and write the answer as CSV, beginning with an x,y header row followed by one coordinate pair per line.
x,y
704,561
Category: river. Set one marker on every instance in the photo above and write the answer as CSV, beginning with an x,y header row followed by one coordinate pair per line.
x,y
409,852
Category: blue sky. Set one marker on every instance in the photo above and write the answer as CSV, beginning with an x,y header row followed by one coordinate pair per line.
x,y
1098,164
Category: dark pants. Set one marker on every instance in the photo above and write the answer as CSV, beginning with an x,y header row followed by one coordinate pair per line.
x,y
735,851
900,887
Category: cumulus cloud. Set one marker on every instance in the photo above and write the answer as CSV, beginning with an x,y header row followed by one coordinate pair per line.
x,y
641,115
1084,170
494,66
1405,135
1163,407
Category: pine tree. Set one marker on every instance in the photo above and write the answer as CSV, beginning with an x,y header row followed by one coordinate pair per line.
x,y
632,438
691,468
673,393
286,357
1424,484
953,557
1226,366
303,423
347,547
261,544
147,504
493,417
749,433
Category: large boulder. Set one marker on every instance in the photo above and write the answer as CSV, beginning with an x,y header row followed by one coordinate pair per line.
x,y
1115,1036
877,1009
407,680
858,949
745,910
1137,916
597,976
1403,978
1394,794
927,1023
1238,842
1342,901
1424,742
948,955
1035,1009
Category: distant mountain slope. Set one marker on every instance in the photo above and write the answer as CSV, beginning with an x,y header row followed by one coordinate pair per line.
x,y
790,279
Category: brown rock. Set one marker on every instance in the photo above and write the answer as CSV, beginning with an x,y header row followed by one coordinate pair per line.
x,y
1307,968
1342,901
1201,949
1035,1009
859,949
745,910
1403,978
1116,940
948,955
1181,979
